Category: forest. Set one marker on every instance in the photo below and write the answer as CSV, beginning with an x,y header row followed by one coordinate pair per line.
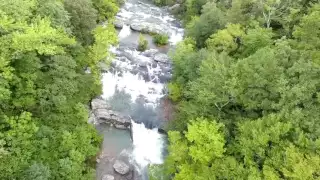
x,y
247,91
245,87
48,74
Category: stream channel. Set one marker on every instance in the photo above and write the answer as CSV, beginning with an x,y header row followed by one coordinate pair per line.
x,y
134,86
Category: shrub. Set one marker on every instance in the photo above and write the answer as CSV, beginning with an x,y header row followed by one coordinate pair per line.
x,y
164,2
143,43
160,39
174,91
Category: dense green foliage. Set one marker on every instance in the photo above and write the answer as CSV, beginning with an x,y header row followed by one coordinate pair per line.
x,y
46,46
163,2
143,43
161,39
106,8
246,84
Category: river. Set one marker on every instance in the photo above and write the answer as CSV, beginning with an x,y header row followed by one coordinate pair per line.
x,y
134,85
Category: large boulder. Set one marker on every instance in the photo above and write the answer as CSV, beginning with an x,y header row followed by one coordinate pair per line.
x,y
149,52
107,177
118,24
142,61
150,28
102,113
160,57
140,27
111,117
99,104
174,7
165,78
128,55
121,167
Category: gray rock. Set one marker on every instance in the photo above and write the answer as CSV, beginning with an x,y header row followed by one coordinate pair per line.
x,y
118,24
164,78
99,104
160,57
149,52
107,177
129,176
143,61
111,117
138,27
174,7
166,69
119,126
158,29
145,27
123,59
128,55
121,167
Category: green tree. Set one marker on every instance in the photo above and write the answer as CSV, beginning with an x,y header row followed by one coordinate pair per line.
x,y
142,44
190,155
37,171
44,90
107,9
83,19
307,34
55,11
19,10
256,39
227,40
104,37
211,20
41,37
161,39
17,135
193,8
260,86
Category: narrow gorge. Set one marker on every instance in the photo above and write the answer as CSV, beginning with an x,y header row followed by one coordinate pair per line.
x,y
129,113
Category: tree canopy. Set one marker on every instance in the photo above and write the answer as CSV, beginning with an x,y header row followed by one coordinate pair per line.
x,y
246,86
46,46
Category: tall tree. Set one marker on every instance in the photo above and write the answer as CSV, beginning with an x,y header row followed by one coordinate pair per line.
x,y
83,19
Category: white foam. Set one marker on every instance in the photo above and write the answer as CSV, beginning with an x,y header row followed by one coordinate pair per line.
x,y
144,15
125,31
122,65
113,49
148,145
125,14
167,18
176,37
135,85
128,5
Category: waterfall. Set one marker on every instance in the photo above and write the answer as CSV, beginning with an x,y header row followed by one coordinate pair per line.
x,y
125,31
141,77
148,145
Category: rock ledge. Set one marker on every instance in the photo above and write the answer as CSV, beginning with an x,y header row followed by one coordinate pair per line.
x,y
101,113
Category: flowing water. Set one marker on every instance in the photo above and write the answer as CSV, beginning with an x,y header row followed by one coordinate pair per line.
x,y
135,83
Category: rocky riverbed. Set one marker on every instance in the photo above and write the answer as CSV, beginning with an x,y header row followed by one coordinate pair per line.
x,y
129,112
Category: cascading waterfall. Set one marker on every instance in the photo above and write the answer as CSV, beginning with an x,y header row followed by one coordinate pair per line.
x,y
125,31
148,145
142,77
